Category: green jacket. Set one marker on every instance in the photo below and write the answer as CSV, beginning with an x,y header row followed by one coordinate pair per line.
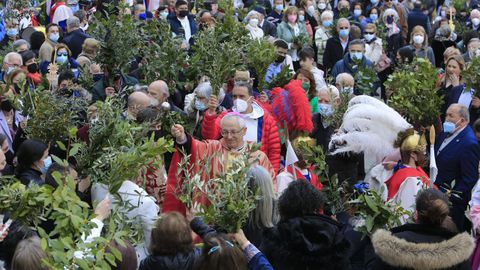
x,y
285,32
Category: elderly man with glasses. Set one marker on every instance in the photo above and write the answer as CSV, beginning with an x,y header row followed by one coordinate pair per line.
x,y
217,154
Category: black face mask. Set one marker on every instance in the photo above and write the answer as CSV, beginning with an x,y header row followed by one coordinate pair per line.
x,y
280,58
32,68
183,13
6,105
17,88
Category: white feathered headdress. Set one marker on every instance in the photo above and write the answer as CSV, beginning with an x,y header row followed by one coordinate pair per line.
x,y
368,126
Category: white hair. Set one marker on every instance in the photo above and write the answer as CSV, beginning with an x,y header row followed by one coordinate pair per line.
x,y
73,22
11,55
390,12
238,118
343,20
325,14
331,90
264,215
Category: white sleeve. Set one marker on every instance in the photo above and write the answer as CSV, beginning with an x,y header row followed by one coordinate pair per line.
x,y
283,180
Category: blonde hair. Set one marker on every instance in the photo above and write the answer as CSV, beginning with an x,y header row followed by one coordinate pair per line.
x,y
419,30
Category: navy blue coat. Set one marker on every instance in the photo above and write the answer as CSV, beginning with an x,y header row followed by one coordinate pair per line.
x,y
417,17
74,41
458,161
176,26
347,66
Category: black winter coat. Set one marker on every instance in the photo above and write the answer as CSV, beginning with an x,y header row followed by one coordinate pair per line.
x,y
310,242
30,176
417,246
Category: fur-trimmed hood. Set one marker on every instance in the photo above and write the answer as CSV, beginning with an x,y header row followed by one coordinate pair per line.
x,y
401,253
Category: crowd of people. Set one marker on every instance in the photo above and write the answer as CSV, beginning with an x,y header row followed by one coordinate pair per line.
x,y
323,45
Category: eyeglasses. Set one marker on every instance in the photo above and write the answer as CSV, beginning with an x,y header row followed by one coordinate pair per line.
x,y
369,33
343,28
231,132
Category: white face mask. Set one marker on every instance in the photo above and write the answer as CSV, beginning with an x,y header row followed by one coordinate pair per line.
x,y
240,105
418,39
154,102
322,6
476,21
253,22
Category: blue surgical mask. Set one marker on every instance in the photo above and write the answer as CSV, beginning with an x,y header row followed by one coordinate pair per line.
x,y
373,16
54,37
369,37
163,15
327,23
62,59
200,105
301,18
12,32
357,12
356,56
344,32
373,2
46,165
449,127
279,7
9,70
325,109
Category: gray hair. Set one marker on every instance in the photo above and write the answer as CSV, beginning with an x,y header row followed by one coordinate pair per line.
x,y
73,22
462,111
356,42
238,118
389,12
20,42
342,20
11,55
326,13
264,215
204,89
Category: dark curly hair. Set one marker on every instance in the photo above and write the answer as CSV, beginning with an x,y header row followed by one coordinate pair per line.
x,y
300,199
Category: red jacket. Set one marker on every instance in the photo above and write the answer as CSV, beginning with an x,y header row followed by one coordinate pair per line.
x,y
270,143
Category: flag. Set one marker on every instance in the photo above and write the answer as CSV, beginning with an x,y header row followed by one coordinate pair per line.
x,y
291,157
433,166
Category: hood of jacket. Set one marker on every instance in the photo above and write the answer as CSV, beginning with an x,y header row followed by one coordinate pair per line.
x,y
399,252
180,261
309,240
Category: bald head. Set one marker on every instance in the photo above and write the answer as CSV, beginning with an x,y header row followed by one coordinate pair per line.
x,y
159,91
475,13
138,101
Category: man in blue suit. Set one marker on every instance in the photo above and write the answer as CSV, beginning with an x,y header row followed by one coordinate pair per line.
x,y
457,155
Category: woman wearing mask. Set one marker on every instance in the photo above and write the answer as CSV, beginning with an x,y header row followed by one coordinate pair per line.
x,y
33,162
197,102
10,118
372,17
255,32
290,29
440,43
323,33
373,44
62,56
358,13
11,32
308,85
429,243
54,35
394,36
311,14
419,44
323,5
302,19
31,66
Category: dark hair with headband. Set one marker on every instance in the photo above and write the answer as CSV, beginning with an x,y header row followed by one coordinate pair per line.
x,y
220,253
